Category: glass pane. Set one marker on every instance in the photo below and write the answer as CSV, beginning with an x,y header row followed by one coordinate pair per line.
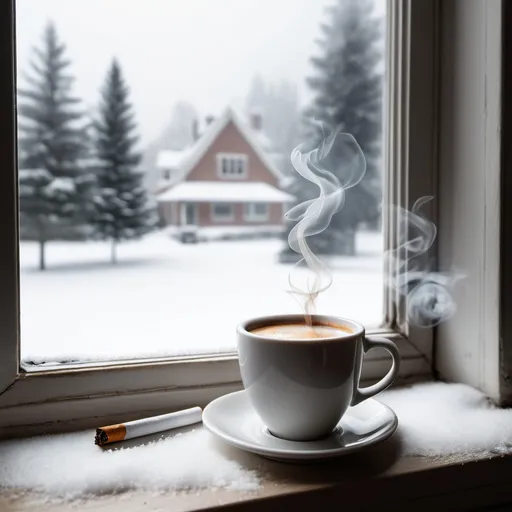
x,y
226,166
122,259
222,210
260,208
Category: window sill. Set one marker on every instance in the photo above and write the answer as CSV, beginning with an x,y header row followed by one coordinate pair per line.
x,y
43,402
409,483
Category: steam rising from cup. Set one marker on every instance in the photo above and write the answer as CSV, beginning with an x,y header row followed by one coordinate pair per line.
x,y
429,299
336,164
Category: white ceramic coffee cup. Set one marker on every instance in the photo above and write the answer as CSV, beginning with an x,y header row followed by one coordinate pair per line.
x,y
302,388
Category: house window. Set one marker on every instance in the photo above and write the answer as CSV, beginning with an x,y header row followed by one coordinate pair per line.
x,y
144,307
222,212
255,212
166,174
231,166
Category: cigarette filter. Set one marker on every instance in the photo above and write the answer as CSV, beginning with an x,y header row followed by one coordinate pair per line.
x,y
146,426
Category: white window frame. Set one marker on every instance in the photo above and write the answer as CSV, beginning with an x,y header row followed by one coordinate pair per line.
x,y
250,214
475,189
232,157
215,217
56,399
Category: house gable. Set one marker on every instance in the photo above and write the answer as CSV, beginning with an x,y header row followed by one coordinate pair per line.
x,y
231,140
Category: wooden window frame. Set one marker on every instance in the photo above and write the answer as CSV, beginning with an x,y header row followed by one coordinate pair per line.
x,y
65,398
475,346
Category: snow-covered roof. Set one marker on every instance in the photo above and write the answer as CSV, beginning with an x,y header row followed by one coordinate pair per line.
x,y
184,161
170,158
218,191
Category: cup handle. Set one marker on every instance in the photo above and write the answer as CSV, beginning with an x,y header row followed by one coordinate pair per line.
x,y
370,342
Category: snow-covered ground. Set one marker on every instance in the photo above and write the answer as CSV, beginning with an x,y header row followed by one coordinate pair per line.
x,y
164,298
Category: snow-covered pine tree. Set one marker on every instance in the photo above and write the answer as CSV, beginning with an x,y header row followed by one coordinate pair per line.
x,y
55,181
348,87
123,210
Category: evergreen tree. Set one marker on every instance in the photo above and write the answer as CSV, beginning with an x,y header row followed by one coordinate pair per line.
x,y
123,211
348,91
55,182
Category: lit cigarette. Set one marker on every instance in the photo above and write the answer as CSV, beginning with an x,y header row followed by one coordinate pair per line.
x,y
146,426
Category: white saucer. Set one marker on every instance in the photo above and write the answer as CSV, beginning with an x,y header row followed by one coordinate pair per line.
x,y
232,418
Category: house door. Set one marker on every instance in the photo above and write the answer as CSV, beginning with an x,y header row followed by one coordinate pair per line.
x,y
188,214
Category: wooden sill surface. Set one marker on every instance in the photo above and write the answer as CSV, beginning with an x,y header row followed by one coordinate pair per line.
x,y
377,478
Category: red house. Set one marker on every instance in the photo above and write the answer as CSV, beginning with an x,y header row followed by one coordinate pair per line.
x,y
228,178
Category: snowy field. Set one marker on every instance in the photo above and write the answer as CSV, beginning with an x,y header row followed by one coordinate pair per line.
x,y
168,299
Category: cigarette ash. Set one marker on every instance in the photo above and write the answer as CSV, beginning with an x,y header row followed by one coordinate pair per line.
x,y
101,437
435,420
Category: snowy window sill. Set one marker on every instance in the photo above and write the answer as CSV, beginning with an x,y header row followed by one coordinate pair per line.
x,y
410,483
452,450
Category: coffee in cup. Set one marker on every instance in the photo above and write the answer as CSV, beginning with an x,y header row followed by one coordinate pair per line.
x,y
301,331
301,379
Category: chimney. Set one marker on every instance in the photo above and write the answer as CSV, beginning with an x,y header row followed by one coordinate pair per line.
x,y
209,120
195,130
256,121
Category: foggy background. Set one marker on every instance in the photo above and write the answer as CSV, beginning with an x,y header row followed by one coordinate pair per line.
x,y
175,50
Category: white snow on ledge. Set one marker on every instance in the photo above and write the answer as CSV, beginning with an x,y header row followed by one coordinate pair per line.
x,y
71,465
435,419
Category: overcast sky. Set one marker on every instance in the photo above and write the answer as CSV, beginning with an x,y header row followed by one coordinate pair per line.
x,y
203,51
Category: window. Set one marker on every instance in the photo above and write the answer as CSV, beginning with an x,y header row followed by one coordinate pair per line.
x,y
151,304
166,174
210,200
232,166
255,212
222,212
